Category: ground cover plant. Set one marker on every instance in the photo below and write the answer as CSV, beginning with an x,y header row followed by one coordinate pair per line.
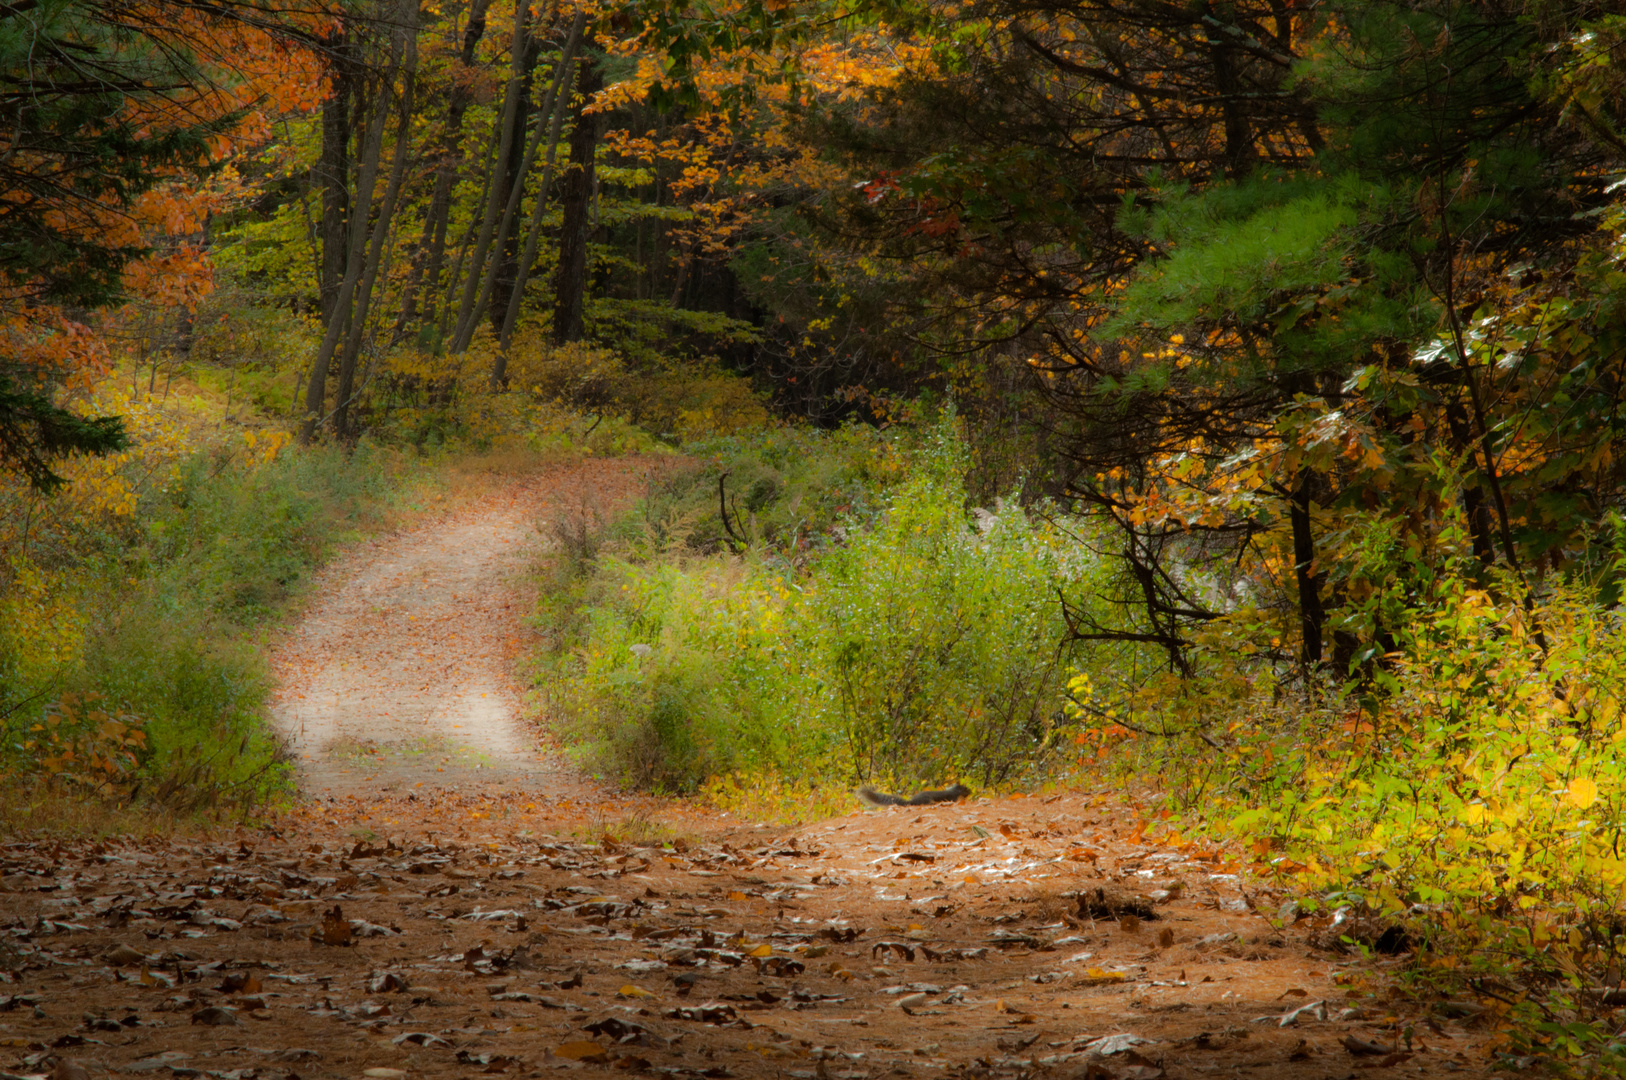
x,y
137,602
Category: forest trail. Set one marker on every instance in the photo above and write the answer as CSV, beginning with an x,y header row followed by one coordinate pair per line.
x,y
401,672
450,899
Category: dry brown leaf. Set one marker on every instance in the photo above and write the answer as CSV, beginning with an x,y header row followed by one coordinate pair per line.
x,y
335,930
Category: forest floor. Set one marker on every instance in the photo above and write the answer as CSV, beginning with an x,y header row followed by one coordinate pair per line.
x,y
452,898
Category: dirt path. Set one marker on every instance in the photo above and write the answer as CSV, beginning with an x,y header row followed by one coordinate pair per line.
x,y
504,916
402,673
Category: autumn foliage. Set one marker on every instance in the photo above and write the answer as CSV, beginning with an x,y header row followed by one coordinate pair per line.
x,y
1279,345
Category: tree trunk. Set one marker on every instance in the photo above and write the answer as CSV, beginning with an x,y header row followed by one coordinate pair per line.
x,y
431,256
1311,614
444,327
576,204
406,55
521,153
553,111
333,175
1474,504
316,392
497,196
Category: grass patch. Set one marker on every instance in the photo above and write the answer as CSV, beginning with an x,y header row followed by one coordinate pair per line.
x,y
132,666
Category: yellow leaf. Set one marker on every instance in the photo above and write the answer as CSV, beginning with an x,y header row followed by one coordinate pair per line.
x,y
762,950
631,991
1583,792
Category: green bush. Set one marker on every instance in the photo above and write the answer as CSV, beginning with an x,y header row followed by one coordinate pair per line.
x,y
163,612
916,643
785,489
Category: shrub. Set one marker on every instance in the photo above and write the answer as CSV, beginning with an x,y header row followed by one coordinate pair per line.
x,y
1465,793
141,592
913,646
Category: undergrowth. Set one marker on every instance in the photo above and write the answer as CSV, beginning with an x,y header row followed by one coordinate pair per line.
x,y
1460,800
854,621
135,611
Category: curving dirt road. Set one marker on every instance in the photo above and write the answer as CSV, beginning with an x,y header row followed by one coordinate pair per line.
x,y
453,897
401,673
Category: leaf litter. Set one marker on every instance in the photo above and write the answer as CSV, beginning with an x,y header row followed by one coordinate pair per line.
x,y
529,921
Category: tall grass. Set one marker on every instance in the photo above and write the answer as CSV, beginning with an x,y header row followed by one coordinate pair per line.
x,y
159,617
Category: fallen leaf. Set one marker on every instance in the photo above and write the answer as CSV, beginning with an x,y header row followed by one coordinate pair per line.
x,y
419,1038
69,1070
215,1016
582,1050
335,929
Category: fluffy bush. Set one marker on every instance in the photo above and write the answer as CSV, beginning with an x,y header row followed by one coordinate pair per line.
x,y
922,644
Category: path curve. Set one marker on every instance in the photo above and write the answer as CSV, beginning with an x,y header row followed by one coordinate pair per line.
x,y
401,672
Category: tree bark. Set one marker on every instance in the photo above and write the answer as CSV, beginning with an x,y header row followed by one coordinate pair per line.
x,y
431,255
497,196
1312,616
444,327
576,204
407,52
521,152
333,175
316,392
553,112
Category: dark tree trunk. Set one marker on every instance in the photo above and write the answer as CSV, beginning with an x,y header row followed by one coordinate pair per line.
x,y
333,175
576,206
1238,132
1475,507
404,56
476,283
1312,616
507,242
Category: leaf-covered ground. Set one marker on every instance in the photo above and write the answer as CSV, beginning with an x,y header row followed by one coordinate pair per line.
x,y
407,922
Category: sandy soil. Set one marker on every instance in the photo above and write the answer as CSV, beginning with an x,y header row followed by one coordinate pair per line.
x,y
402,672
